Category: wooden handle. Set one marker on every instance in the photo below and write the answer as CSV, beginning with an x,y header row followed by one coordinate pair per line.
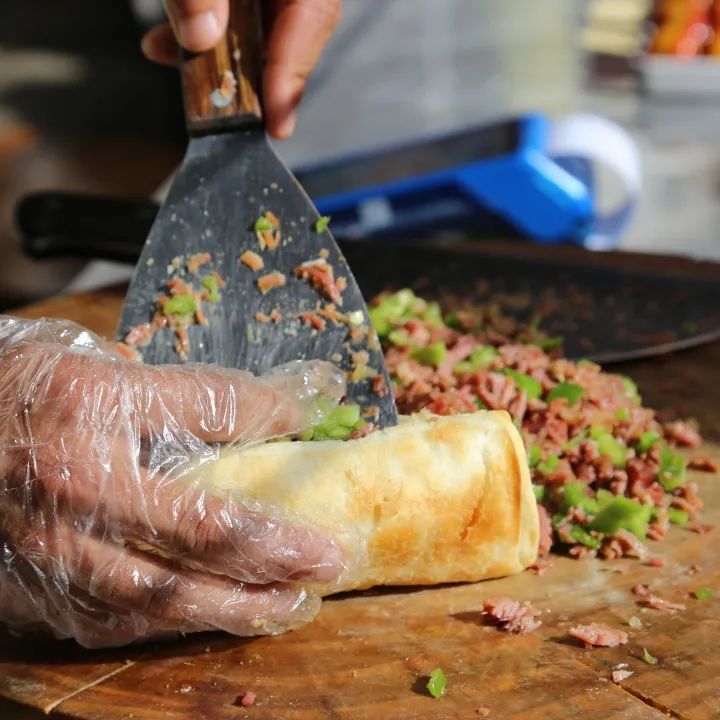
x,y
222,87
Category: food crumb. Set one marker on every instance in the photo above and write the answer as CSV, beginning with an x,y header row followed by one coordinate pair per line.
x,y
186,689
703,464
247,699
252,260
598,635
619,675
270,281
324,253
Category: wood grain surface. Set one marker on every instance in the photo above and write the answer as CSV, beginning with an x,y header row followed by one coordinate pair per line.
x,y
367,655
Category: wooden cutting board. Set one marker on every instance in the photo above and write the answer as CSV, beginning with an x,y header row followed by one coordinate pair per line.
x,y
367,655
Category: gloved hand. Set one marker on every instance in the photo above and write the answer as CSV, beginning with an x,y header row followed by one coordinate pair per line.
x,y
298,33
102,537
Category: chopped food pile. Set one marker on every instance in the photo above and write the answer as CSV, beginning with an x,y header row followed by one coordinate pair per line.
x,y
607,474
181,305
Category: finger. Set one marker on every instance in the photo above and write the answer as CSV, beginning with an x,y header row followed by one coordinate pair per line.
x,y
219,406
198,24
299,33
159,45
100,486
168,596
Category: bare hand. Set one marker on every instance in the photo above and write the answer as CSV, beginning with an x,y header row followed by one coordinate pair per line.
x,y
300,29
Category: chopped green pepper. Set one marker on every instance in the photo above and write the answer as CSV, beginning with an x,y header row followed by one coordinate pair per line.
x,y
180,305
597,431
631,390
395,308
437,683
531,386
622,514
539,492
649,658
622,414
677,516
399,337
575,441
534,455
210,284
432,355
610,446
549,464
321,224
570,391
604,497
672,469
432,314
480,357
550,343
582,536
339,424
452,320
263,224
703,593
647,440
575,495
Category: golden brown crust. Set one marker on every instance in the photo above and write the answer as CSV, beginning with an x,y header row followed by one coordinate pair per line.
x,y
436,499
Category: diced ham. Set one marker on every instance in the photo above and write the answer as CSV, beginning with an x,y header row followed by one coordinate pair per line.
x,y
683,433
599,635
268,282
704,464
546,538
511,615
195,262
139,334
313,320
252,260
658,603
321,276
248,699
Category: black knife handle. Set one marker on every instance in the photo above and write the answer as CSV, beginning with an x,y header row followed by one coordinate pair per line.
x,y
68,225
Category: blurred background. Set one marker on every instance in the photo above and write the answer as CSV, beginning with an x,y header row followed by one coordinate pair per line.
x,y
82,110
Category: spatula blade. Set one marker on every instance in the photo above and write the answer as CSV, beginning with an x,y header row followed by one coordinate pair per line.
x,y
226,182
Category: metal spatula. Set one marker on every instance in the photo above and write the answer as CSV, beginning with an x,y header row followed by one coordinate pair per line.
x,y
232,196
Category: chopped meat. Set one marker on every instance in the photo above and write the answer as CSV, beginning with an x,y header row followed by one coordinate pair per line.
x,y
341,284
540,567
252,260
321,276
704,464
656,562
313,320
275,316
641,590
619,675
218,280
269,238
140,334
195,262
546,539
248,699
129,353
379,386
658,603
270,281
683,433
200,317
599,635
700,528
182,346
178,286
512,616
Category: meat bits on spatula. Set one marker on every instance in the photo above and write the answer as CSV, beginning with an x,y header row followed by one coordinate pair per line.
x,y
239,269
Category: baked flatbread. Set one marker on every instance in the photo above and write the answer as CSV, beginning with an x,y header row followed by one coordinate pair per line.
x,y
433,500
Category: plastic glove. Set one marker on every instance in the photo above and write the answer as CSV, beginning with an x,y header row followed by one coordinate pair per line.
x,y
101,537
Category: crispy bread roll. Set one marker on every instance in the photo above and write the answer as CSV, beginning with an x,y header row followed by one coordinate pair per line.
x,y
435,499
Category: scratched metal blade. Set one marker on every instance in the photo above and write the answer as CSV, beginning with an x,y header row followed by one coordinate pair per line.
x,y
225,184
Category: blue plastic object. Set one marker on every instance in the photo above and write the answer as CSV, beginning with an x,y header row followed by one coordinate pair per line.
x,y
495,175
